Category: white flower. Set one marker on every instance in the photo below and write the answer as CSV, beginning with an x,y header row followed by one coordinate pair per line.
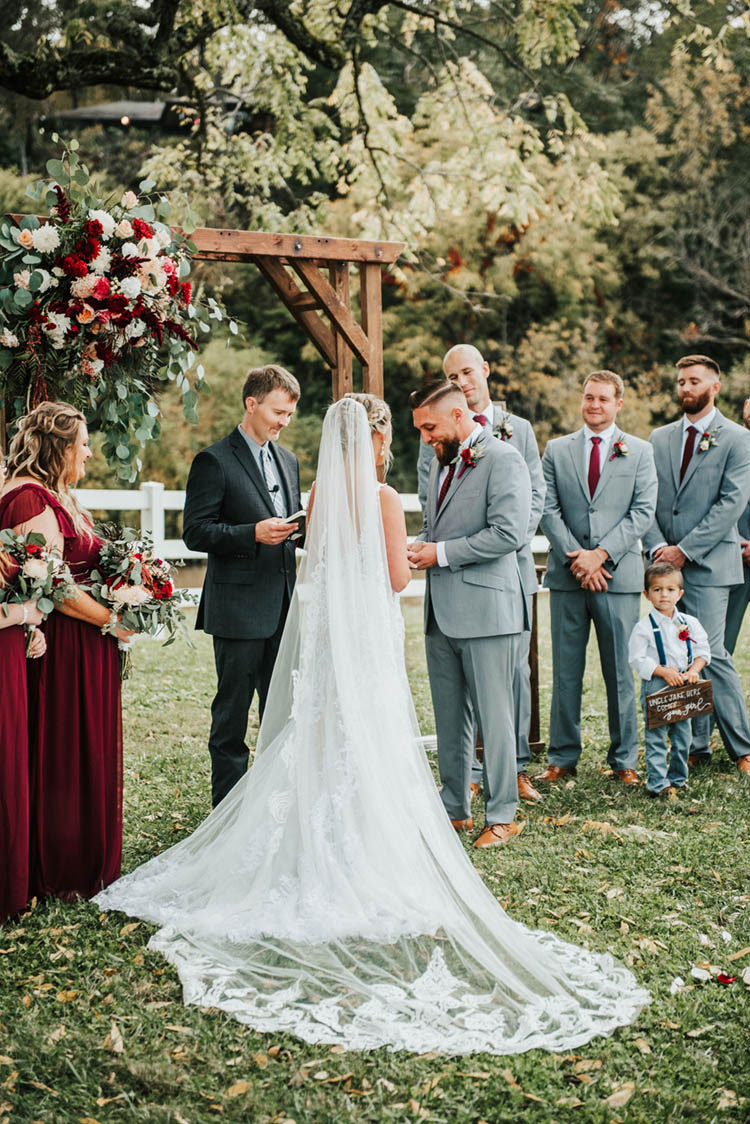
x,y
83,286
163,237
130,287
46,238
56,327
130,250
149,247
57,272
35,568
48,281
101,262
153,277
124,229
129,200
134,329
108,223
8,339
21,278
130,595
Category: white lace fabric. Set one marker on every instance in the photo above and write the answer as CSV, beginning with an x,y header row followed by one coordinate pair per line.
x,y
328,895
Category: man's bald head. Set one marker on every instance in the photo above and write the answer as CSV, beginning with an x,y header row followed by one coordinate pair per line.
x,y
465,367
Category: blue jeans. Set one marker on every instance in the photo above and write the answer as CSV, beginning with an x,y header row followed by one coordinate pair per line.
x,y
659,775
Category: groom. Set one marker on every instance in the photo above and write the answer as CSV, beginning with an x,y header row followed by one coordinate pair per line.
x,y
476,519
238,493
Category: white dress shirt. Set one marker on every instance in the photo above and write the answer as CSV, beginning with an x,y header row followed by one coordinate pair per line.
x,y
476,432
702,425
606,437
643,654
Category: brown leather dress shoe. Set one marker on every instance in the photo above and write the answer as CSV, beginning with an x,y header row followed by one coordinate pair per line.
x,y
475,790
554,773
626,776
495,834
526,790
463,825
743,764
694,760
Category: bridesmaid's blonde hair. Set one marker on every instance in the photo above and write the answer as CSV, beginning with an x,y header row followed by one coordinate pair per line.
x,y
41,449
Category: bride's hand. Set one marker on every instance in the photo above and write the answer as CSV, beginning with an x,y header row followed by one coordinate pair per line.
x,y
423,555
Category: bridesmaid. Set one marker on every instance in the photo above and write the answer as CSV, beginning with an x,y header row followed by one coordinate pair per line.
x,y
75,727
14,762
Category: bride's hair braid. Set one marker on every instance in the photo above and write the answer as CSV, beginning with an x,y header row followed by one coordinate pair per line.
x,y
378,416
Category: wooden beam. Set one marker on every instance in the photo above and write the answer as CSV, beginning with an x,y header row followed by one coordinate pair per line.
x,y
335,309
289,293
342,372
215,243
370,300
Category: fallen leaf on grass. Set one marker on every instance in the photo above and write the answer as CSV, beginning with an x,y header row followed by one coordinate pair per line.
x,y
728,1099
88,1120
746,976
507,1075
569,1102
238,1089
642,1045
101,1101
67,996
5,1060
479,1076
700,974
738,955
114,1041
676,985
620,1096
129,928
701,1030
586,1065
56,1035
601,827
261,1060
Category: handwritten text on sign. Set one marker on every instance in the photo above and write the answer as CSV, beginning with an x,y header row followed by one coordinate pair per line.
x,y
673,704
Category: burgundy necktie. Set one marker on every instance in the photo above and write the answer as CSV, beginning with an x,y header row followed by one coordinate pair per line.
x,y
595,470
446,484
687,452
481,419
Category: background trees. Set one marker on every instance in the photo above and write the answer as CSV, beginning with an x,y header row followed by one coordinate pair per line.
x,y
569,175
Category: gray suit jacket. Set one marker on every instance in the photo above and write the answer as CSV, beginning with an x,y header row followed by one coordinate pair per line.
x,y
483,522
524,440
700,514
619,513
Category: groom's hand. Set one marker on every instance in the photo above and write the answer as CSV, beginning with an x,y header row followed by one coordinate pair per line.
x,y
273,531
422,555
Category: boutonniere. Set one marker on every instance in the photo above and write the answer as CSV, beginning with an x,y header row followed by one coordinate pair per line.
x,y
503,429
684,634
469,458
707,440
619,449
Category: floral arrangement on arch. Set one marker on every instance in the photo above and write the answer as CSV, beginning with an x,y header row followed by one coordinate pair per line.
x,y
95,309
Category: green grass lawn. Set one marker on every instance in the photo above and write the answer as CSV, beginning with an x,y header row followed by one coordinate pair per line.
x,y
92,1027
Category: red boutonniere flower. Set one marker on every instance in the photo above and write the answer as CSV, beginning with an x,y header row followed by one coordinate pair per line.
x,y
468,458
684,634
619,449
707,440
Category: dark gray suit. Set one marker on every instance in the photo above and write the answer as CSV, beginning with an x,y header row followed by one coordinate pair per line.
x,y
700,516
247,588
523,439
474,617
614,518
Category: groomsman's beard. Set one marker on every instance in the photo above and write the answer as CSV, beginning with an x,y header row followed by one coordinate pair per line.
x,y
447,451
695,403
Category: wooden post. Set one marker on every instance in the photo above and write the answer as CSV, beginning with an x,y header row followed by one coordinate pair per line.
x,y
341,379
370,299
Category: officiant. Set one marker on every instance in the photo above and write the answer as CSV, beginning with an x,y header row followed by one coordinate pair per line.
x,y
239,494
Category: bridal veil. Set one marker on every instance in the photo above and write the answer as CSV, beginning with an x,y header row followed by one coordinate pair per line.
x,y
328,895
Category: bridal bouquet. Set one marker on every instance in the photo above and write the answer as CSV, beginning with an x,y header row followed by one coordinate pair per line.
x,y
38,574
136,586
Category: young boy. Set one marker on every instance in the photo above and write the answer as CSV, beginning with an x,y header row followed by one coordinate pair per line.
x,y
667,649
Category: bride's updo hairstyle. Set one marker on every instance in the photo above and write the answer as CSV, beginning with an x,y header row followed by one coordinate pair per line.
x,y
378,417
42,447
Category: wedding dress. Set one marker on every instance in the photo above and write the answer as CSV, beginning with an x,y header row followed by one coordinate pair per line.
x,y
328,895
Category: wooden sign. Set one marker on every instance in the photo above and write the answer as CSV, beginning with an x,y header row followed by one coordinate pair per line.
x,y
674,704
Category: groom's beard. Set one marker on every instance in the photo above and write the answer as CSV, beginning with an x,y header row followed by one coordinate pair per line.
x,y
694,403
448,451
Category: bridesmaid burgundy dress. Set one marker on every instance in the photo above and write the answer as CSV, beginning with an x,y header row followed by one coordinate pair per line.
x,y
75,732
14,770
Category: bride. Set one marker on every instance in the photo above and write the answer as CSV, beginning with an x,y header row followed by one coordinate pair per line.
x,y
328,895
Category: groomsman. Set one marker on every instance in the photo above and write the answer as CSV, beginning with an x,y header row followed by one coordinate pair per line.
x,y
477,516
739,595
238,493
468,370
703,463
601,497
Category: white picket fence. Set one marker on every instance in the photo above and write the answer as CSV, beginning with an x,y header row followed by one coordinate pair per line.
x,y
152,500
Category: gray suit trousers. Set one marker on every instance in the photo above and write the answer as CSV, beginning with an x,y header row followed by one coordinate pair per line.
x,y
739,596
474,676
614,616
709,604
521,705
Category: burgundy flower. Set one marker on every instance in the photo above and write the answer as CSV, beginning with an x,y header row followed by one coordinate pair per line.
x,y
73,266
63,205
100,291
185,291
93,228
141,229
173,285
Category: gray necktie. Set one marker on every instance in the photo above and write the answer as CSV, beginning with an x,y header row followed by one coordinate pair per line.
x,y
272,483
